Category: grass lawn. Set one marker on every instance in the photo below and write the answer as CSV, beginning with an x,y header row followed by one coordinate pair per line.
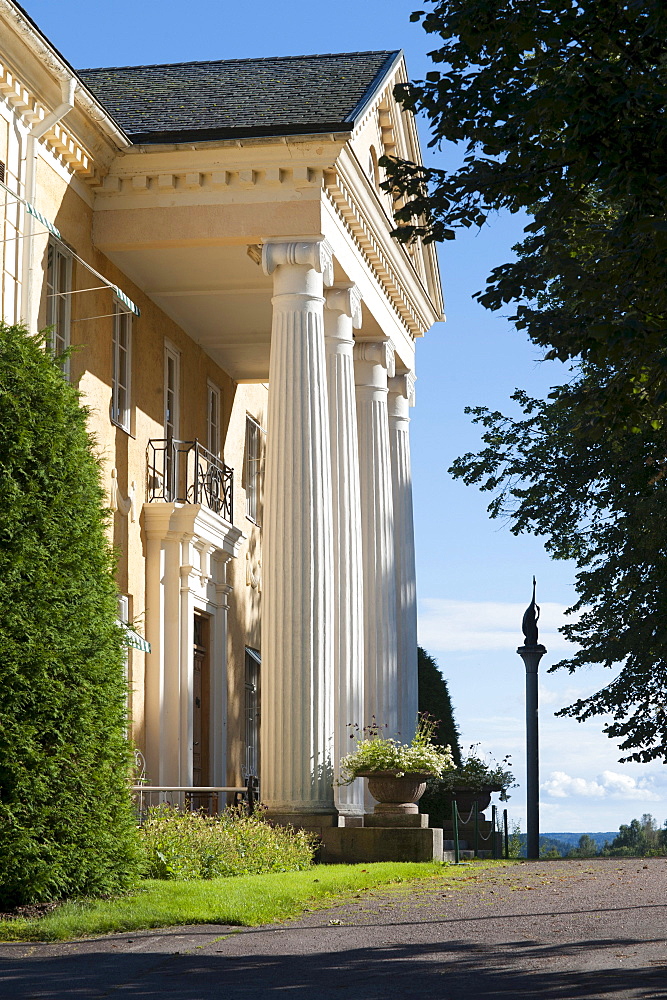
x,y
245,900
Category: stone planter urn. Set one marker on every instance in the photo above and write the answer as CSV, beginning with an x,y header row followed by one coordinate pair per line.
x,y
396,796
466,798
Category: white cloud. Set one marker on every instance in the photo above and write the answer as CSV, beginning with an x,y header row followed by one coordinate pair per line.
x,y
608,784
460,626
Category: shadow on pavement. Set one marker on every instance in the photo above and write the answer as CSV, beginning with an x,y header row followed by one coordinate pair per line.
x,y
446,971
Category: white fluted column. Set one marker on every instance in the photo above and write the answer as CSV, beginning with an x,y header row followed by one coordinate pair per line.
x,y
342,314
401,397
297,634
374,361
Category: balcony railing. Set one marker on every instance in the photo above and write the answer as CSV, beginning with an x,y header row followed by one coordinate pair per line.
x,y
186,472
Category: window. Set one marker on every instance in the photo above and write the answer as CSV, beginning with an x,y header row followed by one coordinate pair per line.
x,y
172,394
253,469
121,367
213,432
58,301
11,244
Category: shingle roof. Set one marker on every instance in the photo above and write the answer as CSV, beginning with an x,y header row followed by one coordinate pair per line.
x,y
236,98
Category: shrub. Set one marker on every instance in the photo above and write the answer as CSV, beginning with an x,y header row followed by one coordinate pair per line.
x,y
187,845
66,823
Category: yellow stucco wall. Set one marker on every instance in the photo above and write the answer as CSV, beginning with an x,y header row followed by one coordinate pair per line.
x,y
91,370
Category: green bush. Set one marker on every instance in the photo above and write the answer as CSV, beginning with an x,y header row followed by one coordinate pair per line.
x,y
66,823
187,845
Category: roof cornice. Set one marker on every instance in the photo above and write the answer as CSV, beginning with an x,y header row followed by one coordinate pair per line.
x,y
58,66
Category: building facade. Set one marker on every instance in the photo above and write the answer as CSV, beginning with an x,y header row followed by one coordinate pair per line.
x,y
211,242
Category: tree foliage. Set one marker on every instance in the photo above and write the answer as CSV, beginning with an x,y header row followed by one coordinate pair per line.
x,y
599,501
66,825
640,838
435,700
559,109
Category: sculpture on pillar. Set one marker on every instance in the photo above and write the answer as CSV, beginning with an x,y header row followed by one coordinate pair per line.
x,y
530,619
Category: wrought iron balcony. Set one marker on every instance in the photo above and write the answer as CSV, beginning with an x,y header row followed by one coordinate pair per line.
x,y
186,472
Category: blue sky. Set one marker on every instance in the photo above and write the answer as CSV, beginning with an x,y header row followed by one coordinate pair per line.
x,y
474,576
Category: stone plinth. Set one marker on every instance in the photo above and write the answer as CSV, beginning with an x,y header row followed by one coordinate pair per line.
x,y
414,821
365,845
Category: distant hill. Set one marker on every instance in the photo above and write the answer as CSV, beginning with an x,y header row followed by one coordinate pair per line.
x,y
563,842
572,839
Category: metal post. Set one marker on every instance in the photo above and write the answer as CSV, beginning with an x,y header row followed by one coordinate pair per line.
x,y
494,827
531,653
476,809
455,825
505,830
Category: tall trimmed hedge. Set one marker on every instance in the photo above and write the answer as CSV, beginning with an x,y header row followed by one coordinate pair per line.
x,y
66,824
434,698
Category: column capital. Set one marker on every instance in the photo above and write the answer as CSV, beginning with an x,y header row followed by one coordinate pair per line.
x,y
404,385
317,254
379,352
345,298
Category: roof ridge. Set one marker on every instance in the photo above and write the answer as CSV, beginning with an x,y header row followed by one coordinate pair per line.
x,y
249,59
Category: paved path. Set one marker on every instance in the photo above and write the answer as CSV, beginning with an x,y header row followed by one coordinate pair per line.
x,y
550,930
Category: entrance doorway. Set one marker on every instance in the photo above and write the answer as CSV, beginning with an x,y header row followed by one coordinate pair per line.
x,y
252,703
201,703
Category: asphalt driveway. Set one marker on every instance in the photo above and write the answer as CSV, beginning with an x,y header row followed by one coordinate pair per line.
x,y
554,930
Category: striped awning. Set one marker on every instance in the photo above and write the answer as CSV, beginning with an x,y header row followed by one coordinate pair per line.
x,y
36,214
44,221
135,640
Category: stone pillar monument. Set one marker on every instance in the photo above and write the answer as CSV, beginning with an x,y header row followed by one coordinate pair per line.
x,y
341,315
401,397
297,633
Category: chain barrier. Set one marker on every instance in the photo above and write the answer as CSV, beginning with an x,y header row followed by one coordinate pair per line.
x,y
464,822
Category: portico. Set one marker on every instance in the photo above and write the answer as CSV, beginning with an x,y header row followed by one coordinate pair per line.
x,y
275,255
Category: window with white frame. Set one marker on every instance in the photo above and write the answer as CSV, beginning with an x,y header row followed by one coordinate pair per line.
x,y
58,301
253,469
11,215
213,420
172,391
121,367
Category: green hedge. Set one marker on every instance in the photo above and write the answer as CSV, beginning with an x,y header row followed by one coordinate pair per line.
x,y
66,825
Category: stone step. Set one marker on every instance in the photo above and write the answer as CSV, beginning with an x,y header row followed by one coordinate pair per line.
x,y
450,856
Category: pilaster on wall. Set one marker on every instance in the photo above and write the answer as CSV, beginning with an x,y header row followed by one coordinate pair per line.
x,y
374,363
297,638
342,314
401,397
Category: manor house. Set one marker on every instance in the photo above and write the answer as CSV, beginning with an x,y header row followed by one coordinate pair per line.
x,y
212,241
